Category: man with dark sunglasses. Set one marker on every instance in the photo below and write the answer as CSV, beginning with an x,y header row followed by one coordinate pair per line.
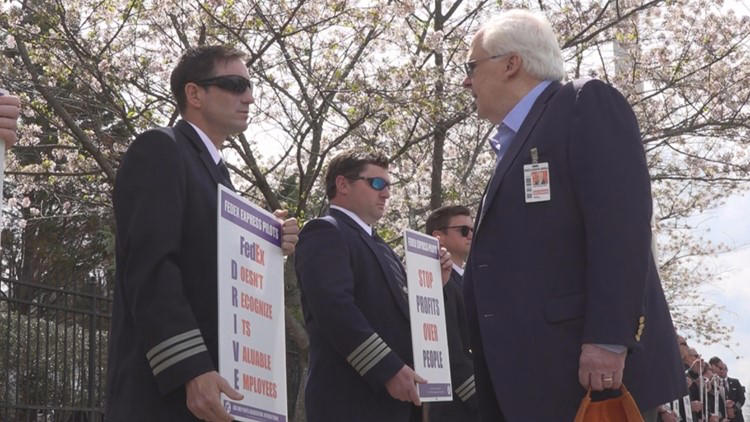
x,y
354,299
452,225
232,83
561,287
163,351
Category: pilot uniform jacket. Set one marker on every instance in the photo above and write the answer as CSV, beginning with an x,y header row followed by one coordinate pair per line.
x,y
164,316
357,317
463,408
545,277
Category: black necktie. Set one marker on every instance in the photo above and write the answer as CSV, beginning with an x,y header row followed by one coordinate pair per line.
x,y
225,174
397,269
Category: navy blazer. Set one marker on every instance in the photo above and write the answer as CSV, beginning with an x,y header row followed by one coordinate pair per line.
x,y
357,318
543,278
164,316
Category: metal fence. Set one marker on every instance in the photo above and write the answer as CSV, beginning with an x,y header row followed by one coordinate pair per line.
x,y
53,351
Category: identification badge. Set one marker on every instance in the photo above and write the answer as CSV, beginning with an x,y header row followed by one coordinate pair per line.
x,y
536,182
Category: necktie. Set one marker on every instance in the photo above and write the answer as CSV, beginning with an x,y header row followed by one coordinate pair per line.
x,y
225,174
394,263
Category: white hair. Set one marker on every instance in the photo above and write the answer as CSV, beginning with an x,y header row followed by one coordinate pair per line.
x,y
529,35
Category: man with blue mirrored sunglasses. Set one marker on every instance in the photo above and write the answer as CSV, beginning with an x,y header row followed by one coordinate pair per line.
x,y
354,300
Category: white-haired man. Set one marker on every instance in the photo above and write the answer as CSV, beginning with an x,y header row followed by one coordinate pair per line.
x,y
561,280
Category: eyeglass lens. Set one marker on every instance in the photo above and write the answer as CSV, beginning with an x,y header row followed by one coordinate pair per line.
x,y
232,83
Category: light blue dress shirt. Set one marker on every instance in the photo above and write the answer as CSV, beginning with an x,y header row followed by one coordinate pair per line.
x,y
507,129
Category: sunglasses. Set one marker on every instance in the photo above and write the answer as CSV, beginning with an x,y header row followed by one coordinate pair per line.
x,y
465,230
377,183
471,65
232,83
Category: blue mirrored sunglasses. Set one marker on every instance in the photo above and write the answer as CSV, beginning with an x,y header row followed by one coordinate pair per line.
x,y
377,183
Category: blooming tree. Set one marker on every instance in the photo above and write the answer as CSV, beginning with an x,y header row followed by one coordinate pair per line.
x,y
333,74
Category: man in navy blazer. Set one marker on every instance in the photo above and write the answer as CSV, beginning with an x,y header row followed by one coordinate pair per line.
x,y
354,299
561,288
163,350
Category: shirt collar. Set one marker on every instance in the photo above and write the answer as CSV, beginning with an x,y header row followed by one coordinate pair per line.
x,y
215,154
517,115
458,269
366,227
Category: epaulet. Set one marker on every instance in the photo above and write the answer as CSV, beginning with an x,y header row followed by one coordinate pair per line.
x,y
169,131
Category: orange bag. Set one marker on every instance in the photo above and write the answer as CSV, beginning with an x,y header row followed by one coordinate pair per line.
x,y
618,409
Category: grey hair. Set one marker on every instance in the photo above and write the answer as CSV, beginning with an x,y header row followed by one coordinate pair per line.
x,y
529,35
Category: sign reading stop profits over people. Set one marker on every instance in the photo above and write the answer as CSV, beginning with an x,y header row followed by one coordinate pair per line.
x,y
427,312
252,348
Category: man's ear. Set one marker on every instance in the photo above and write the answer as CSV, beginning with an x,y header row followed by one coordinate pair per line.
x,y
194,94
439,235
342,185
513,65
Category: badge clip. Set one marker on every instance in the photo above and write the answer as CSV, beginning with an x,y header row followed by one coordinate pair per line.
x,y
534,155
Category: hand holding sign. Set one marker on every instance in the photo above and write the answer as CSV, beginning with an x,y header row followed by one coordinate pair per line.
x,y
9,111
203,396
446,264
289,231
402,386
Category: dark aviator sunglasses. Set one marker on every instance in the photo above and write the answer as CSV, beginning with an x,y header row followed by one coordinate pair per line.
x,y
377,183
465,230
232,83
471,65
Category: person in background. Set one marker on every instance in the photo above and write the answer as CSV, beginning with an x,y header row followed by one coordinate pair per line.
x,y
453,226
735,392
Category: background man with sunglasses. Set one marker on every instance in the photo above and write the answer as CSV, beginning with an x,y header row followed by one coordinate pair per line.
x,y
354,299
163,350
562,291
453,225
